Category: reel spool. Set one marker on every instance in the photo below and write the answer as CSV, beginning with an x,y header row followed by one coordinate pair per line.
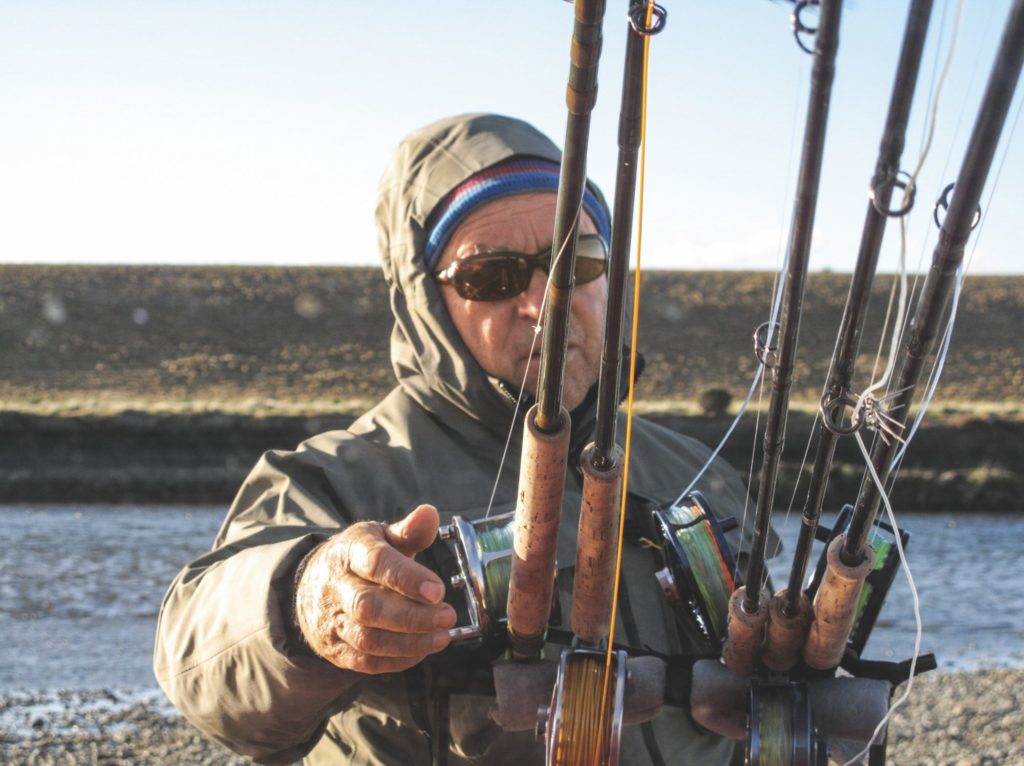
x,y
574,731
780,729
882,539
483,550
698,576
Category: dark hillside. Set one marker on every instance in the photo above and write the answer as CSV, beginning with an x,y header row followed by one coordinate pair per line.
x,y
205,334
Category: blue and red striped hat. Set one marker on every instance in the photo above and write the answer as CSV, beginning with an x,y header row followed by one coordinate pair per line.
x,y
516,176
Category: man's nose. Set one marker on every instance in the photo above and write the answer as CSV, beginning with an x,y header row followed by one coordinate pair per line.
x,y
531,300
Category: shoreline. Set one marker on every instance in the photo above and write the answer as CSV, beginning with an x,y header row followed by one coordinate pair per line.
x,y
134,456
961,718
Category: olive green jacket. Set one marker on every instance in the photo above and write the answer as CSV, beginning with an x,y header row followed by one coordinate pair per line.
x,y
226,652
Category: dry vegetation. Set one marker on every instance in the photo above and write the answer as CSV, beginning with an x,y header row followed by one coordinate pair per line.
x,y
101,339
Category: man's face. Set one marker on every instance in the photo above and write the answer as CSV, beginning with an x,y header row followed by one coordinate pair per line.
x,y
501,334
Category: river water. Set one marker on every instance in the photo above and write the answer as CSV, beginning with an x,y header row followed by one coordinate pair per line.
x,y
80,588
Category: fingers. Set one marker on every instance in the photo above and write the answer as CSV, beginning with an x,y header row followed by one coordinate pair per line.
x,y
379,607
416,531
364,604
364,550
362,626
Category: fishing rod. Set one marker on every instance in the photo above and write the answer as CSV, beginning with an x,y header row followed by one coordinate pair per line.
x,y
603,458
962,215
790,609
512,562
748,606
546,437
583,723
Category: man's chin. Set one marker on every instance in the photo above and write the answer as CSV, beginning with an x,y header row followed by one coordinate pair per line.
x,y
574,390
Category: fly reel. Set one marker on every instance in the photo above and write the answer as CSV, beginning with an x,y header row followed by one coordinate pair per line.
x,y
882,539
483,551
698,576
780,729
583,725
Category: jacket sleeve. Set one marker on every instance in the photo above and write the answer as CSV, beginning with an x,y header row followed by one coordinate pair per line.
x,y
226,651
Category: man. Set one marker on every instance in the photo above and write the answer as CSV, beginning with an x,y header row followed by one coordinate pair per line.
x,y
290,638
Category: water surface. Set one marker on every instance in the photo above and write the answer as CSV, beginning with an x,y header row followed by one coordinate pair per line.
x,y
80,589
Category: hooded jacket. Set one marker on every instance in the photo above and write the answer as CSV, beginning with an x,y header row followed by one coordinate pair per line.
x,y
226,653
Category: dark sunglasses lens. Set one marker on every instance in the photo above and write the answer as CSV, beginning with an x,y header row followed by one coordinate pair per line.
x,y
491,277
590,259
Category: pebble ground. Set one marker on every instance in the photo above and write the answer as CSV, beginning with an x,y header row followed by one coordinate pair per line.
x,y
952,719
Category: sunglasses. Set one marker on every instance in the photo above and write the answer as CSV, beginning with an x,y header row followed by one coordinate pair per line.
x,y
500,275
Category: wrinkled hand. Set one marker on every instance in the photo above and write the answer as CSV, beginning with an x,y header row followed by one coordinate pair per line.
x,y
363,604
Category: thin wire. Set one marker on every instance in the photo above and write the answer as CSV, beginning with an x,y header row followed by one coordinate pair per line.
x,y
952,143
964,268
898,325
918,623
796,483
634,334
927,134
935,66
533,345
933,383
759,382
776,306
934,378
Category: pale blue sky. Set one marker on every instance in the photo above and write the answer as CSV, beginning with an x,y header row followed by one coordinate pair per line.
x,y
188,131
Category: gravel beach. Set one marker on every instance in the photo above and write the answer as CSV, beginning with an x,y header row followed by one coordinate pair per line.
x,y
951,719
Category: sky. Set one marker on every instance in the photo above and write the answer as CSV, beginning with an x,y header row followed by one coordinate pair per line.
x,y
231,132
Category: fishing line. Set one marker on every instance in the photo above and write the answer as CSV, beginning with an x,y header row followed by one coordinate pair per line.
x,y
777,288
947,335
631,386
796,483
803,460
867,399
581,722
935,67
747,500
940,360
961,278
526,372
926,242
918,623
925,132
936,373
706,561
759,382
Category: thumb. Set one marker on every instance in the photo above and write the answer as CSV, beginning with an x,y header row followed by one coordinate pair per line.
x,y
416,531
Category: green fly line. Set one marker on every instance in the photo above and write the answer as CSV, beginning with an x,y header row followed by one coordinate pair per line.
x,y
776,729
882,547
497,569
710,573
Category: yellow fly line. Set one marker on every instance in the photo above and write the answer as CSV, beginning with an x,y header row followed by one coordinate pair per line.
x,y
629,398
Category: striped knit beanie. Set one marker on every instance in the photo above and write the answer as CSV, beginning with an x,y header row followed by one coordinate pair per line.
x,y
515,176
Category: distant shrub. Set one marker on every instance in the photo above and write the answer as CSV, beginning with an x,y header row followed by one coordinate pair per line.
x,y
714,402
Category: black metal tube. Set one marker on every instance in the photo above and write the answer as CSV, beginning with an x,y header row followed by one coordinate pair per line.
x,y
946,260
630,115
844,357
822,75
581,94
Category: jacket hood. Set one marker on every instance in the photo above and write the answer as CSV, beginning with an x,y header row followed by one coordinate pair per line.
x,y
430,360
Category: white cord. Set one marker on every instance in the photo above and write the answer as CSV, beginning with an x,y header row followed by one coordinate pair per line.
x,y
533,345
918,623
